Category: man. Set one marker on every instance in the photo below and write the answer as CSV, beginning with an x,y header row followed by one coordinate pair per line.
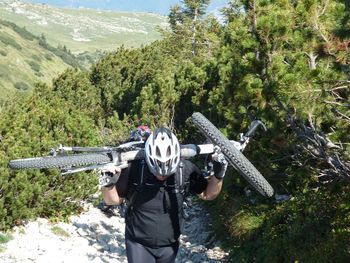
x,y
155,189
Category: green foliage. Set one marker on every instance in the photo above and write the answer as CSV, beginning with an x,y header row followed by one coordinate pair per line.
x,y
29,128
34,66
4,238
64,54
22,31
36,58
66,57
74,87
193,35
309,228
8,41
22,86
43,63
59,231
89,58
283,52
268,54
48,56
61,52
42,41
130,80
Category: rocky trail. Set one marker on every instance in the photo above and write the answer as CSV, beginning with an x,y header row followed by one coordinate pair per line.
x,y
94,236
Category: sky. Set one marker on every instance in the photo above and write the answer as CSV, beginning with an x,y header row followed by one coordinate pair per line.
x,y
154,6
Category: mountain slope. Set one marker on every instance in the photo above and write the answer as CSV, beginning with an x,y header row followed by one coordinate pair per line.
x,y
25,59
84,29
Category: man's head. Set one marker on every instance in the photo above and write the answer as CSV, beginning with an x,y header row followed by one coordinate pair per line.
x,y
162,152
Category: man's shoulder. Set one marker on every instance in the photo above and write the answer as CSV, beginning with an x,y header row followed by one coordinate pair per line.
x,y
186,162
136,161
136,164
189,167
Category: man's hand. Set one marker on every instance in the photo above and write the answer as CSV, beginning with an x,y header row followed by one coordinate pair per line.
x,y
109,175
219,163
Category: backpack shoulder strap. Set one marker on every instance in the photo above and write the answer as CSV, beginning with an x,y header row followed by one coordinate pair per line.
x,y
135,186
181,183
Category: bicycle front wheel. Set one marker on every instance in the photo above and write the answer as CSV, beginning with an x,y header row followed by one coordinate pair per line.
x,y
233,155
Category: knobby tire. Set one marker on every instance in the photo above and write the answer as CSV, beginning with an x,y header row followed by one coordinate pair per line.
x,y
59,162
233,155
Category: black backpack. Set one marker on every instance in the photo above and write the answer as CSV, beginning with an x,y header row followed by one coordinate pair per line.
x,y
176,184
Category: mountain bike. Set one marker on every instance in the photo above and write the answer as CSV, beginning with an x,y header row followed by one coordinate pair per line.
x,y
78,159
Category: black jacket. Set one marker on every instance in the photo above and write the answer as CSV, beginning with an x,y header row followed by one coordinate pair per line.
x,y
155,208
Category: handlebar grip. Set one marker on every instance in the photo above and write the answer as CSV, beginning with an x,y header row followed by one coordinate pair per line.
x,y
253,126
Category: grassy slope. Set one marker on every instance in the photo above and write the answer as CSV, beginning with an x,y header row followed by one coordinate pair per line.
x,y
84,29
15,63
80,30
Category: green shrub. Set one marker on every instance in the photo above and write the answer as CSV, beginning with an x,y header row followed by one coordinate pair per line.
x,y
21,86
29,127
3,53
311,227
34,66
39,74
5,237
67,58
59,231
36,58
22,31
9,41
63,53
48,56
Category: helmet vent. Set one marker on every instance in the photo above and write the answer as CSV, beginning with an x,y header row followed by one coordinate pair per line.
x,y
158,152
168,151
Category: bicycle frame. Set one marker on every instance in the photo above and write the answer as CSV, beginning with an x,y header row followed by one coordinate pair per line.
x,y
120,157
101,158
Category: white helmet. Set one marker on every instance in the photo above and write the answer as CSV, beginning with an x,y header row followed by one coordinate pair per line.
x,y
162,152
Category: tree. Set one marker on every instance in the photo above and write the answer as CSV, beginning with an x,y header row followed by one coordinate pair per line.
x,y
42,41
191,29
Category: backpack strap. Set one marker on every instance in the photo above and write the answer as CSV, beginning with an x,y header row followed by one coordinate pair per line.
x,y
142,172
137,187
181,179
175,185
182,183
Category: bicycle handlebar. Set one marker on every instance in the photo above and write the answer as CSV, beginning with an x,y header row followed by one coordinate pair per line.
x,y
253,126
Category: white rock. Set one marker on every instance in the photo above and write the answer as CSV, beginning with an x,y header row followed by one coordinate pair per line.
x,y
93,237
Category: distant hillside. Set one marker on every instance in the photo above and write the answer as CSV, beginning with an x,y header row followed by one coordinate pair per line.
x,y
26,59
84,29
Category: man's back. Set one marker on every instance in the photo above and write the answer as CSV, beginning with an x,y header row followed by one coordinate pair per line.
x,y
154,215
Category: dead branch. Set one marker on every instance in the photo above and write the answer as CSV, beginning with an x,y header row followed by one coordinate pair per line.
x,y
341,114
332,102
317,149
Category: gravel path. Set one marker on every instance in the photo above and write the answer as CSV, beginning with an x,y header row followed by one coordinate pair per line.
x,y
94,237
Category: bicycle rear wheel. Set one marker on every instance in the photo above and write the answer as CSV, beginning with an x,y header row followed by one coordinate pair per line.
x,y
59,162
233,155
